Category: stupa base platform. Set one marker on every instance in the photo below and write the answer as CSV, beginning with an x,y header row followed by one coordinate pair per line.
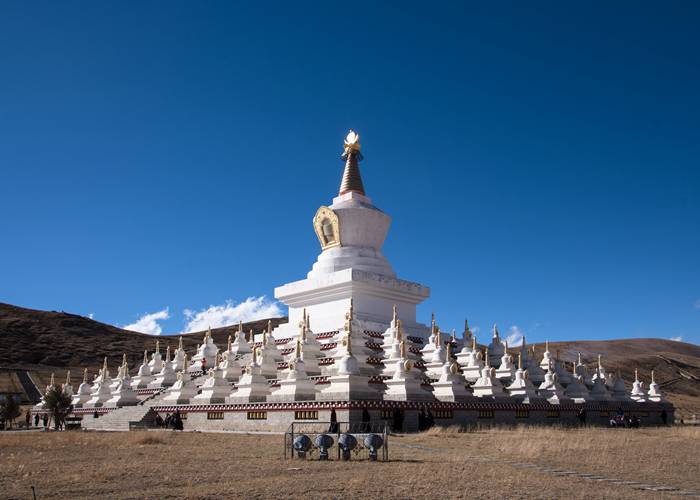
x,y
276,417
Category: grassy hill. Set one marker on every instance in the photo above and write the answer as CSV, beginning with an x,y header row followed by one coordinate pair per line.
x,y
47,341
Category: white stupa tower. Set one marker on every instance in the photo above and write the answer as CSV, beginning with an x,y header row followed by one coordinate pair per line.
x,y
351,232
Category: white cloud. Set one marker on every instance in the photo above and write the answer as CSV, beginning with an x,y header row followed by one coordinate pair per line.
x,y
91,315
230,313
677,339
515,338
148,323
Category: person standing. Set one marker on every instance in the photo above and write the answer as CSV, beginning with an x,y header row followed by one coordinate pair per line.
x,y
36,420
28,419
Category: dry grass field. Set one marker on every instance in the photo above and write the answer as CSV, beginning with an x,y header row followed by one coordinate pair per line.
x,y
437,464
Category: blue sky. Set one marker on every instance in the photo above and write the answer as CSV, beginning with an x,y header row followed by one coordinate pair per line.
x,y
540,160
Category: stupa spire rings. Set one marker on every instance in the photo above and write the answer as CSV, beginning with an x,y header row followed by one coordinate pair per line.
x,y
352,181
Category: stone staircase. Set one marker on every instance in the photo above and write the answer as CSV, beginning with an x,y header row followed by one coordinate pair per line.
x,y
126,417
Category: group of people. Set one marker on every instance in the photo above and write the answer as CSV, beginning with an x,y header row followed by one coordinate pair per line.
x,y
623,421
171,421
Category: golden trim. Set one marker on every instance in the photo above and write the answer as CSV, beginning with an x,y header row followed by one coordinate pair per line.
x,y
324,214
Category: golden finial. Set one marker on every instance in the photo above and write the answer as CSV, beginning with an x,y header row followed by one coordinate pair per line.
x,y
167,355
467,333
599,364
505,344
68,377
306,327
433,327
52,380
217,360
448,356
85,376
104,365
636,375
228,347
546,345
349,344
486,357
269,327
438,338
298,349
240,329
394,314
399,330
251,336
145,356
264,339
158,346
179,343
184,363
123,359
402,349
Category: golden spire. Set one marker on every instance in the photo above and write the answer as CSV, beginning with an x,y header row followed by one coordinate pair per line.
x,y
240,330
208,334
123,359
402,349
394,314
349,344
399,332
158,346
167,355
228,347
298,349
599,365
652,376
546,345
145,356
352,180
68,377
433,327
269,327
217,360
52,380
486,357
184,363
252,336
438,338
306,327
448,356
255,354
179,343
104,366
579,358
264,340
85,376
467,332
505,344
520,361
636,375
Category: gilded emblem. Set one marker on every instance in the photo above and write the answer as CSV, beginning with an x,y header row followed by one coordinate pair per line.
x,y
327,228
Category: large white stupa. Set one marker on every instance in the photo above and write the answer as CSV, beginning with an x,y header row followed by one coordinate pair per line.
x,y
351,265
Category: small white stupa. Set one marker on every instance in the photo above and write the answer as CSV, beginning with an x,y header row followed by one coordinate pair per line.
x,y
405,383
101,392
599,372
576,390
123,395
269,348
654,395
551,389
252,387
451,385
310,347
463,354
599,391
560,370
522,387
471,371
156,363
429,347
183,390
296,386
268,357
230,366
206,354
638,394
581,371
179,356
83,394
618,391
393,352
144,377
506,371
167,375
547,359
215,388
120,375
534,370
67,386
496,348
487,385
347,383
433,368
240,345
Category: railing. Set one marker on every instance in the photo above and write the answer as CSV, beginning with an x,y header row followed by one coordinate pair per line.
x,y
359,430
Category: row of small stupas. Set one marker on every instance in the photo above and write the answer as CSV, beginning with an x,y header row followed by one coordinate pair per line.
x,y
355,365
